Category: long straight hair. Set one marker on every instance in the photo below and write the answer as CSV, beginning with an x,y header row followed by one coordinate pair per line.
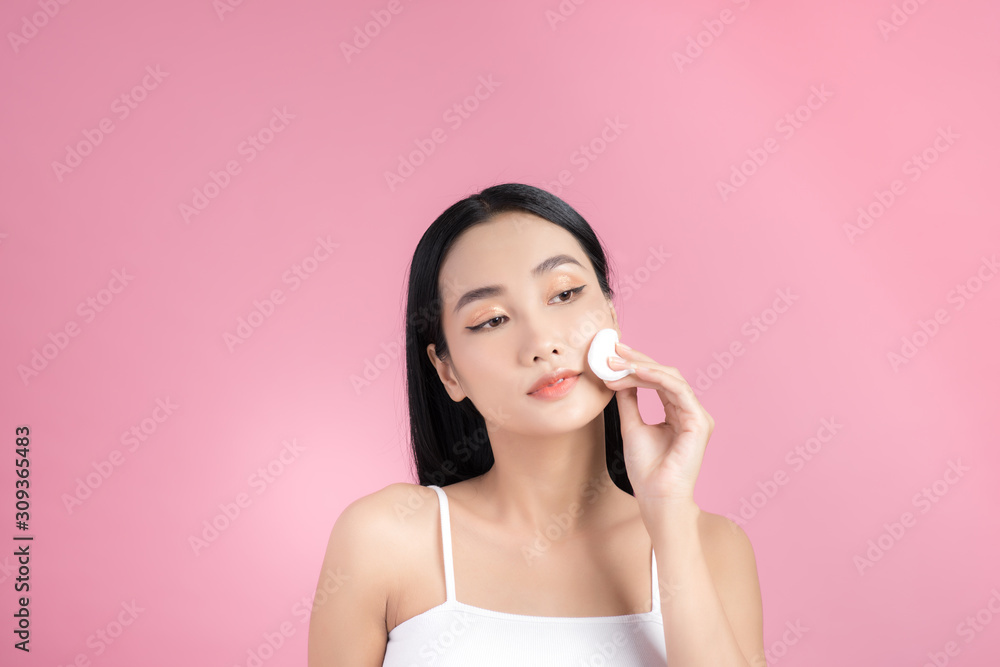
x,y
449,440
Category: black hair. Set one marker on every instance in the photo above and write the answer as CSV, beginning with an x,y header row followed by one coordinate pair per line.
x,y
449,440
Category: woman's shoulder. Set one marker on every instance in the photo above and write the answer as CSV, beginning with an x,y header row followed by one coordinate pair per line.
x,y
373,531
722,533
390,507
366,558
382,524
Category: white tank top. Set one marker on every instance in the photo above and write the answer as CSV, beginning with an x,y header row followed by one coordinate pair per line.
x,y
457,634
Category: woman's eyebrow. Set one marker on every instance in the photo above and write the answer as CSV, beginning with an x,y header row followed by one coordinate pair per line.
x,y
496,290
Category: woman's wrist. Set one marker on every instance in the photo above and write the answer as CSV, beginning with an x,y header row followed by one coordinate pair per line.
x,y
671,521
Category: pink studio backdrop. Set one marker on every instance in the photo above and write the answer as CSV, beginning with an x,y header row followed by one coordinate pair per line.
x,y
813,181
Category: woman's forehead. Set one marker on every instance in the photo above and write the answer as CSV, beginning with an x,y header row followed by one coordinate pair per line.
x,y
507,242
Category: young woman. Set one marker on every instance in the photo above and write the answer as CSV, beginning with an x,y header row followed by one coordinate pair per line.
x,y
550,526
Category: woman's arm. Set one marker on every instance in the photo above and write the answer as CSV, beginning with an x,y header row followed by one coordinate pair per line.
x,y
709,590
710,593
347,627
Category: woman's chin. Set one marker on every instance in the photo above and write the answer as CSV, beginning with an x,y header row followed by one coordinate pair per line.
x,y
565,417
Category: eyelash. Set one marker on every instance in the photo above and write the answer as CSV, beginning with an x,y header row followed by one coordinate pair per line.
x,y
483,327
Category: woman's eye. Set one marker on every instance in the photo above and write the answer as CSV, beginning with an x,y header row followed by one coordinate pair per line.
x,y
483,325
576,290
566,293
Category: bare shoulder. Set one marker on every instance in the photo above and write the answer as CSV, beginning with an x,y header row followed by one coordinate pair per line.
x,y
360,568
727,547
376,530
721,531
373,527
395,502
733,566
729,553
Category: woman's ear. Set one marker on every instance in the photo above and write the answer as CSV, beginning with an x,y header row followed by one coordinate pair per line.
x,y
447,375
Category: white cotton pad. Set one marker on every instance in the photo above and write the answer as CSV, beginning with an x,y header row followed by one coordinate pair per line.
x,y
602,347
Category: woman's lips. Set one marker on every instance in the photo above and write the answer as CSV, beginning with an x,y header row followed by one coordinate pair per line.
x,y
557,390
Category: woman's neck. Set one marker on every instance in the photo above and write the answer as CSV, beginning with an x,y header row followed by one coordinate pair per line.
x,y
560,483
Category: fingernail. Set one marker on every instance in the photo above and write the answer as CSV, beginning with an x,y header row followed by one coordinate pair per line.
x,y
624,346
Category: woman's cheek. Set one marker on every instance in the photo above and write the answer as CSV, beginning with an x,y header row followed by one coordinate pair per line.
x,y
583,327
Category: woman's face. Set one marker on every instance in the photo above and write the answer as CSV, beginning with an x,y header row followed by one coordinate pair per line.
x,y
502,340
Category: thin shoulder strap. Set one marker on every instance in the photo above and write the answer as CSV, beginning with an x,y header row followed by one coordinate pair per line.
x,y
655,585
449,565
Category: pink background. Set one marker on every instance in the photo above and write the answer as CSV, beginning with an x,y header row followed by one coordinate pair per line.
x,y
684,127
